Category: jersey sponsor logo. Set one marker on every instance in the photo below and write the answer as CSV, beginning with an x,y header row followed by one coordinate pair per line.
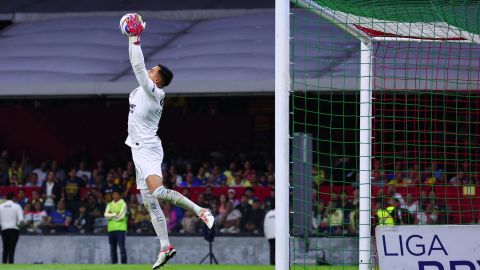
x,y
160,110
132,107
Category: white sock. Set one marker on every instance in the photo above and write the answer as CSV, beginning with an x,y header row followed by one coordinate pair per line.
x,y
177,199
158,218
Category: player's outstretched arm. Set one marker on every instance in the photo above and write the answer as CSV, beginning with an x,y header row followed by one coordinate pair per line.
x,y
138,66
132,26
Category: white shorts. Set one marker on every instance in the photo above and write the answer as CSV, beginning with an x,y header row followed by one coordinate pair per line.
x,y
148,161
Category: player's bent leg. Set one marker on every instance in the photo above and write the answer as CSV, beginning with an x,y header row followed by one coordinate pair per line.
x,y
155,186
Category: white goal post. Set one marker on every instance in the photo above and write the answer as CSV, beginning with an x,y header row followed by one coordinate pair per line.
x,y
368,31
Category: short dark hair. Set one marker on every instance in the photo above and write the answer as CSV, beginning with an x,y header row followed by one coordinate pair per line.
x,y
10,195
166,73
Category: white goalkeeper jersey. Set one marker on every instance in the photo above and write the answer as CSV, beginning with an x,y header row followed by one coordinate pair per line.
x,y
146,104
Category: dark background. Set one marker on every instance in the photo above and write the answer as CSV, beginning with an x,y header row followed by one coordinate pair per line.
x,y
92,129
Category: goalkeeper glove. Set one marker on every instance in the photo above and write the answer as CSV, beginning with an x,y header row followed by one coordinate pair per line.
x,y
135,26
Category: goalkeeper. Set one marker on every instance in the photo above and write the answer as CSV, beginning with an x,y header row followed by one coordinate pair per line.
x,y
146,106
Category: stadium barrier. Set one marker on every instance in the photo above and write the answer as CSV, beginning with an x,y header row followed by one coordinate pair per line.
x,y
83,249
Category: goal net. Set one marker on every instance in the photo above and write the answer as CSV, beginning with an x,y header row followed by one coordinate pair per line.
x,y
385,111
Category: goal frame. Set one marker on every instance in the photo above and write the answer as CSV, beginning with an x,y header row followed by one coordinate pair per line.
x,y
282,139
282,89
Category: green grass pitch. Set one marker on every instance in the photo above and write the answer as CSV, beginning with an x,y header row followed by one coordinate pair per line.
x,y
166,267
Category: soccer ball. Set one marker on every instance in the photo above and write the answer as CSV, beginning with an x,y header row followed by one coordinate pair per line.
x,y
123,23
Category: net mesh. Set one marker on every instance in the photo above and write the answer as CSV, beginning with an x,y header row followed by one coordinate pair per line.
x,y
459,14
425,121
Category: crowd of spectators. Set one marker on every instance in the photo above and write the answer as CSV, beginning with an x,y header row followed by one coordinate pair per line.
x,y
73,199
409,187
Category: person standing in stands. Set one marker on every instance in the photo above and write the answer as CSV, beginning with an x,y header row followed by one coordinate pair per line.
x,y
11,215
269,230
390,215
72,186
116,212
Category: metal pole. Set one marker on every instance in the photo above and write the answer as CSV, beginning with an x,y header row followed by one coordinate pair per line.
x,y
366,87
282,86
